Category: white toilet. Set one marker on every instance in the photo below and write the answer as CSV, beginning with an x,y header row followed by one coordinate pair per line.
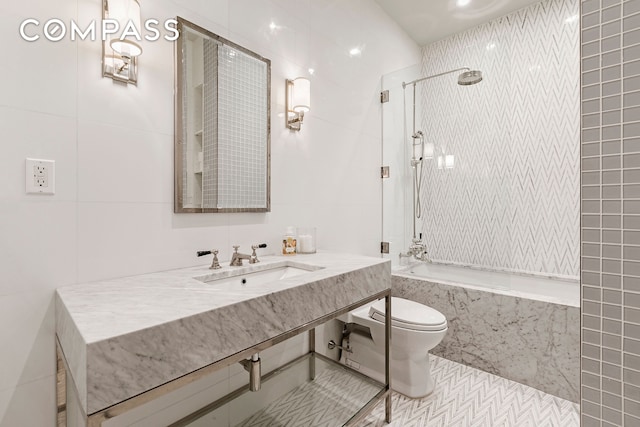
x,y
416,329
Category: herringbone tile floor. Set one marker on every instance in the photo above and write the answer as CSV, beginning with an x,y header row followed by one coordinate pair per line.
x,y
468,397
464,397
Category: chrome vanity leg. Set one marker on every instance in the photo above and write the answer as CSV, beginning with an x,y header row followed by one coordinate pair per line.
x,y
387,356
61,389
312,351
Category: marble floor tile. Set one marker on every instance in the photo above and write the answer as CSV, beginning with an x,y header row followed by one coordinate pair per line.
x,y
466,397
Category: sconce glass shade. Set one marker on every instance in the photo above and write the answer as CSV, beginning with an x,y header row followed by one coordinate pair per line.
x,y
298,101
301,97
126,12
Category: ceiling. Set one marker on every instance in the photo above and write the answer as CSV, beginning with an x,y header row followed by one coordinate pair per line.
x,y
429,20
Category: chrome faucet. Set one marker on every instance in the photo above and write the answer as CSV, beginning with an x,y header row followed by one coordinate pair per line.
x,y
417,250
236,258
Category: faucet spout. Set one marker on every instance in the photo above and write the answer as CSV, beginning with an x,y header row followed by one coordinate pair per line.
x,y
417,250
236,258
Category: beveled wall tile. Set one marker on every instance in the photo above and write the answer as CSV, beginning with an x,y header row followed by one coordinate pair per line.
x,y
630,99
631,38
611,28
590,394
612,326
611,281
611,147
611,117
631,114
612,297
632,392
630,345
631,23
610,73
610,43
610,191
631,68
612,401
591,20
591,322
590,6
610,14
631,284
611,390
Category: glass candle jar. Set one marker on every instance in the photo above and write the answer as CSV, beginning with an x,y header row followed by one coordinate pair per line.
x,y
306,240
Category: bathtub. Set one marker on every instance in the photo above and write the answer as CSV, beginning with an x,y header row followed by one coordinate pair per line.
x,y
536,287
525,328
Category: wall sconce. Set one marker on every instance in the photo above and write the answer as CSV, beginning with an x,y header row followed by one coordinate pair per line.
x,y
298,101
119,55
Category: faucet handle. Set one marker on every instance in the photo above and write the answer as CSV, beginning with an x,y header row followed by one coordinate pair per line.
x,y
235,248
254,257
215,264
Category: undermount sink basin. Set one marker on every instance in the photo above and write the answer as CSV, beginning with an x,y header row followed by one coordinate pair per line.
x,y
258,278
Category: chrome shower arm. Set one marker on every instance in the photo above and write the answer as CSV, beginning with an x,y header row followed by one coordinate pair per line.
x,y
413,82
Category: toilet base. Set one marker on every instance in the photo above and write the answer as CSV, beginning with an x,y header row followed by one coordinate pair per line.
x,y
410,376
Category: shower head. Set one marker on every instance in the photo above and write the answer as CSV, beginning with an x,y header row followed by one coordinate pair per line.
x,y
417,135
470,77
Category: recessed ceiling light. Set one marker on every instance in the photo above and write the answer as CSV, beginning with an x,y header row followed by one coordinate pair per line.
x,y
356,51
463,3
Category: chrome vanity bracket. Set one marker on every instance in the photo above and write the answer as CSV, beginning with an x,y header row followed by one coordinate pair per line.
x,y
254,367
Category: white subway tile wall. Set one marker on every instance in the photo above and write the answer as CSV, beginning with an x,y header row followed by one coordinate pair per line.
x,y
502,188
610,242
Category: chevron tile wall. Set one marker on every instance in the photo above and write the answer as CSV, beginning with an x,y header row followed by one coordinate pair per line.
x,y
502,188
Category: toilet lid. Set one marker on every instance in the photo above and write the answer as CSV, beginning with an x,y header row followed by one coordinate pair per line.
x,y
409,315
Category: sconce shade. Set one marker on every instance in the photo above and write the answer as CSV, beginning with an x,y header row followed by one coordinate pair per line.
x,y
125,12
298,101
301,97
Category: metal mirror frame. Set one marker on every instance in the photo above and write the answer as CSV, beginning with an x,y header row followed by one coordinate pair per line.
x,y
179,144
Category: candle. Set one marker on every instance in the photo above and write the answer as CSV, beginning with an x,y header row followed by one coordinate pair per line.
x,y
306,240
307,246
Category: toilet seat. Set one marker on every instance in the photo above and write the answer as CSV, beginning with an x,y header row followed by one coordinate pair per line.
x,y
410,315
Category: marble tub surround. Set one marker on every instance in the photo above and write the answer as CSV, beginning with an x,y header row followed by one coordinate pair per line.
x,y
124,336
536,343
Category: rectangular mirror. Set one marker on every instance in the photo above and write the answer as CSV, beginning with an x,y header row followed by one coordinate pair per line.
x,y
222,133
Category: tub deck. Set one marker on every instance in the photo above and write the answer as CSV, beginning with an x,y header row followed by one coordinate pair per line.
x,y
523,328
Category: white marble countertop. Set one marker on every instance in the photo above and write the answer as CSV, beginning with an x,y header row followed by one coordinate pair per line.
x,y
124,336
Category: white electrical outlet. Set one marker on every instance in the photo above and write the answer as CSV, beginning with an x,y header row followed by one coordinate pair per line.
x,y
40,176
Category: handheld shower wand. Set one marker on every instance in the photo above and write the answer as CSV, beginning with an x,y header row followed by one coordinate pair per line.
x,y
417,161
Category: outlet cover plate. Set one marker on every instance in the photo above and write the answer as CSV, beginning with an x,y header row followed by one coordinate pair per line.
x,y
40,176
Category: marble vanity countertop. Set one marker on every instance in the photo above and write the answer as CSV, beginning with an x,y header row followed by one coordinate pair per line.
x,y
124,336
